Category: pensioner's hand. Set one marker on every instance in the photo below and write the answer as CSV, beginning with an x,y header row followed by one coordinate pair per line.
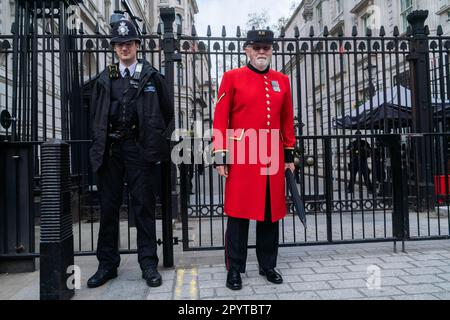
x,y
223,171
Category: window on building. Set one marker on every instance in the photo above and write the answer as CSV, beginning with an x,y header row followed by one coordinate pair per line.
x,y
52,26
107,11
338,104
406,6
363,96
403,79
89,64
319,16
322,69
319,118
181,74
2,59
161,25
339,7
182,116
178,21
12,5
367,20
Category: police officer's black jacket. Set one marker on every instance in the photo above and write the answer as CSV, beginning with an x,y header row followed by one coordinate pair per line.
x,y
155,115
359,149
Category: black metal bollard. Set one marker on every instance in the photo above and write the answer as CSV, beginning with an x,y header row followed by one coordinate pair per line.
x,y
17,247
169,193
422,113
400,216
329,187
56,223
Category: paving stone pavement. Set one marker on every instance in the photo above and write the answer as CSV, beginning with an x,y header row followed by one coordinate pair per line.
x,y
310,273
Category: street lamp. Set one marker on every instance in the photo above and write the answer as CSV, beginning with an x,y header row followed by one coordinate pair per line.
x,y
369,73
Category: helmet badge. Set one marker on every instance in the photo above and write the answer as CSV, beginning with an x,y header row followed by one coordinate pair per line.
x,y
123,29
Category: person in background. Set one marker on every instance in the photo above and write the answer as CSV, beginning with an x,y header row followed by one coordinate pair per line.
x,y
359,151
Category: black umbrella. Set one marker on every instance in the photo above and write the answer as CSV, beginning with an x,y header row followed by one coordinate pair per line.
x,y
298,204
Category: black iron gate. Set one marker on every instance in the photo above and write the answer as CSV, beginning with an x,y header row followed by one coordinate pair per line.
x,y
378,85
48,67
394,89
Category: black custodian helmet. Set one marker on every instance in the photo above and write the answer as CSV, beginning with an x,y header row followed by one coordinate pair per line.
x,y
124,31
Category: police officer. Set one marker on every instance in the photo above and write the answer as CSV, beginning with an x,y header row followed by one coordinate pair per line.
x,y
132,119
359,151
254,108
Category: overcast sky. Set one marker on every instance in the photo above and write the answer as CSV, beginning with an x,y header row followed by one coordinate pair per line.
x,y
232,13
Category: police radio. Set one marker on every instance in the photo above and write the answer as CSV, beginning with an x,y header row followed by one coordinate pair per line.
x,y
134,82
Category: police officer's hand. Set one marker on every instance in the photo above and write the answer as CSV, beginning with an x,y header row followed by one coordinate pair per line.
x,y
290,166
223,171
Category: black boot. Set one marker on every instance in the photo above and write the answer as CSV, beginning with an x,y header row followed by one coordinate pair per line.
x,y
101,277
152,277
234,281
271,275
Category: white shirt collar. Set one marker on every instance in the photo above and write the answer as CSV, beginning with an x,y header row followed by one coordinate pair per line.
x,y
132,68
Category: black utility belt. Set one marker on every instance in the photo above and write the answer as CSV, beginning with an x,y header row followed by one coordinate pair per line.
x,y
117,136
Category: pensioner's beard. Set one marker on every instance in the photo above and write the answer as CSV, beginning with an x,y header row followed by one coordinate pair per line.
x,y
262,63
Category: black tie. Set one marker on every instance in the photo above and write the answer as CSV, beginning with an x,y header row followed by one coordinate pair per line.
x,y
127,73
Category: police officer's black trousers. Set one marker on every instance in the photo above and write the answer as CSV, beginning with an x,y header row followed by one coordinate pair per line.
x,y
124,160
362,167
236,240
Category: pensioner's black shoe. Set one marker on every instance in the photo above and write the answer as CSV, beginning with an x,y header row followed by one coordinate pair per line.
x,y
271,275
152,277
101,277
234,281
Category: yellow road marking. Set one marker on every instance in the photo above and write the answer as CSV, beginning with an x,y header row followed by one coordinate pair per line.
x,y
189,278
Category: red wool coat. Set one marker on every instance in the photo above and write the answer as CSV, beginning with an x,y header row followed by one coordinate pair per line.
x,y
253,126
